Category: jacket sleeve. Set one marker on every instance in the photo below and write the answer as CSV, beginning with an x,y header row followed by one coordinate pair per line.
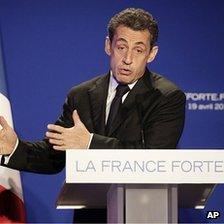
x,y
37,157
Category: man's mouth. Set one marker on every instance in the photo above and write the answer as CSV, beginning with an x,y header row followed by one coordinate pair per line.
x,y
125,71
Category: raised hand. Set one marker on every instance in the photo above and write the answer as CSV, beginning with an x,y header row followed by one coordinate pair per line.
x,y
76,137
8,137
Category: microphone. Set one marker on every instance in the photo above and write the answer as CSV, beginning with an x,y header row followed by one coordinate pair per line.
x,y
140,116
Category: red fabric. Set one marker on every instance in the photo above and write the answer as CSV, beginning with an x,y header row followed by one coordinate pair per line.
x,y
11,207
4,219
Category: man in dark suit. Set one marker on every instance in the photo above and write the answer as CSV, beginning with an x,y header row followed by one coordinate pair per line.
x,y
130,107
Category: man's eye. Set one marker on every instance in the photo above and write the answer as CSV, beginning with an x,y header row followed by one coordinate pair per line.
x,y
121,48
139,51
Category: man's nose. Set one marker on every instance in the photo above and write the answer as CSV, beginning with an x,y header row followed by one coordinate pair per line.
x,y
127,59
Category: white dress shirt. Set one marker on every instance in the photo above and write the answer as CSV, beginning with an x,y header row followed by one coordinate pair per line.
x,y
112,92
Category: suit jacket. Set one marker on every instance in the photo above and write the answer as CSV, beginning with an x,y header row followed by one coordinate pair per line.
x,y
152,116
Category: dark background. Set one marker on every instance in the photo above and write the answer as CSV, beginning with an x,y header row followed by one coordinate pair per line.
x,y
51,45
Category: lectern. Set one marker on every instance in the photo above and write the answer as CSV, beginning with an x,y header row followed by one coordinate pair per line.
x,y
133,203
133,188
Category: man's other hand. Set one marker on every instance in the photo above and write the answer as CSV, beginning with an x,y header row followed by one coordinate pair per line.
x,y
8,137
76,137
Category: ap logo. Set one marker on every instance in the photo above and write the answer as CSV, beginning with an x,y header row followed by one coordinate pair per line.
x,y
212,215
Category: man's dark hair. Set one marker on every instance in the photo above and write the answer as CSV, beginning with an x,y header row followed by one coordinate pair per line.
x,y
135,19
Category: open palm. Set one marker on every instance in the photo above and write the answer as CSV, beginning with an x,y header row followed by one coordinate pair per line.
x,y
8,137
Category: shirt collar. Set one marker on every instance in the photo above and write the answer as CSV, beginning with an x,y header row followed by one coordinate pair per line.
x,y
113,83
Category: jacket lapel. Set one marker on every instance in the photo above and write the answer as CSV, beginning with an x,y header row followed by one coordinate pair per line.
x,y
98,97
140,98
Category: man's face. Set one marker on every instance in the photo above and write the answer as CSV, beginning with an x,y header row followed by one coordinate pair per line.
x,y
129,53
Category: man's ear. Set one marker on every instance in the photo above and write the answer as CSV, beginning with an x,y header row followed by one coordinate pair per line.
x,y
108,46
152,54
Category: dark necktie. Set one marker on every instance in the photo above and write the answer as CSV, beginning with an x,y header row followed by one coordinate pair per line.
x,y
115,105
